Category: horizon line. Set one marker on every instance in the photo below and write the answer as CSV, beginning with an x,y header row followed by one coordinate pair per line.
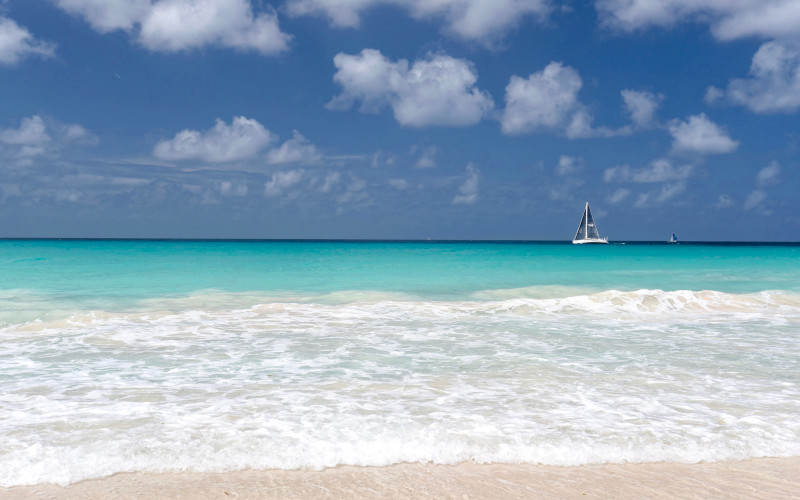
x,y
390,240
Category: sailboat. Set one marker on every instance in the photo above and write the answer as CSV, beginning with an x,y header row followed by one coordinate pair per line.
x,y
674,239
587,231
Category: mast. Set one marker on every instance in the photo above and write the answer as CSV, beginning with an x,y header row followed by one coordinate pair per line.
x,y
586,216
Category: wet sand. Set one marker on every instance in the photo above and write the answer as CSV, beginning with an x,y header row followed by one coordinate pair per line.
x,y
769,478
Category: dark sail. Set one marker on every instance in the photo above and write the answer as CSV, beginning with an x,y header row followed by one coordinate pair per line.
x,y
591,228
587,230
581,233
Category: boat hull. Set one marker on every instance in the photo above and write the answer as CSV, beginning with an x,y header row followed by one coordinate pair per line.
x,y
601,241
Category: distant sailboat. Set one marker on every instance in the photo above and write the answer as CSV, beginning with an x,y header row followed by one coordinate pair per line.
x,y
674,239
587,230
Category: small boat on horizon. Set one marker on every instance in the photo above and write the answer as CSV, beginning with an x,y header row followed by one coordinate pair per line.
x,y
587,230
673,239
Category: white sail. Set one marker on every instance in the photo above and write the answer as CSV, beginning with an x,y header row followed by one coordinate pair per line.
x,y
587,230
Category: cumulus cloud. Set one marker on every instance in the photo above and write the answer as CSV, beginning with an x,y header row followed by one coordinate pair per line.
x,y
723,201
31,131
660,170
698,134
176,25
755,200
569,165
547,101
769,175
281,181
484,20
766,177
641,106
228,188
672,180
728,20
658,196
567,169
108,15
298,149
427,158
774,83
77,134
17,43
438,90
618,196
355,192
36,136
243,139
468,192
398,183
331,180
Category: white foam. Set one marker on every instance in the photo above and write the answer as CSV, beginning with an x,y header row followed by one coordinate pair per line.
x,y
216,382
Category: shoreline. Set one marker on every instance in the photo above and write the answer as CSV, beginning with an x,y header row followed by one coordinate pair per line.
x,y
756,478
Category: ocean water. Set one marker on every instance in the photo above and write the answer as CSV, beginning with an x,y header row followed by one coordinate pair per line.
x,y
216,356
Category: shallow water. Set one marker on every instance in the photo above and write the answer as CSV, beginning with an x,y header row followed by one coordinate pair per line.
x,y
214,356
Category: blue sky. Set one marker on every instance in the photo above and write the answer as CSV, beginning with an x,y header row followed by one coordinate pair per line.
x,y
448,119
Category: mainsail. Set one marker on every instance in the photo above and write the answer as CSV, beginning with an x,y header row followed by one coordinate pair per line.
x,y
587,231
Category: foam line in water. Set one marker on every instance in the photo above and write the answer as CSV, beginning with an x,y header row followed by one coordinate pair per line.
x,y
217,382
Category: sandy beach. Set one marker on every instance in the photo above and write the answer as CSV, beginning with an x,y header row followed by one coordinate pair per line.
x,y
771,478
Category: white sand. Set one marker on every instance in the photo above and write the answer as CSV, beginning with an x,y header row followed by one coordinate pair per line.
x,y
770,478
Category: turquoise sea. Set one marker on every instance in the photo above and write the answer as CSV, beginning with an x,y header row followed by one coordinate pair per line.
x,y
224,355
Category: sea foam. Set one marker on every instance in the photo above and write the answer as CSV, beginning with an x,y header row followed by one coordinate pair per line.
x,y
217,381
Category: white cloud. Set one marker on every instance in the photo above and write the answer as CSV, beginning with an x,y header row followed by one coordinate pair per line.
x,y
480,19
175,25
382,158
724,201
355,193
660,170
728,19
298,149
428,157
618,196
438,90
108,15
641,105
281,181
667,192
544,101
468,192
36,136
769,175
713,94
16,43
331,179
76,133
700,135
564,190
766,177
243,139
569,165
620,173
755,199
547,101
485,20
228,188
31,132
774,83
398,183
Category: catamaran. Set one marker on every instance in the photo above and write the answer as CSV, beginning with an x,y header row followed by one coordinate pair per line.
x,y
587,231
674,239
